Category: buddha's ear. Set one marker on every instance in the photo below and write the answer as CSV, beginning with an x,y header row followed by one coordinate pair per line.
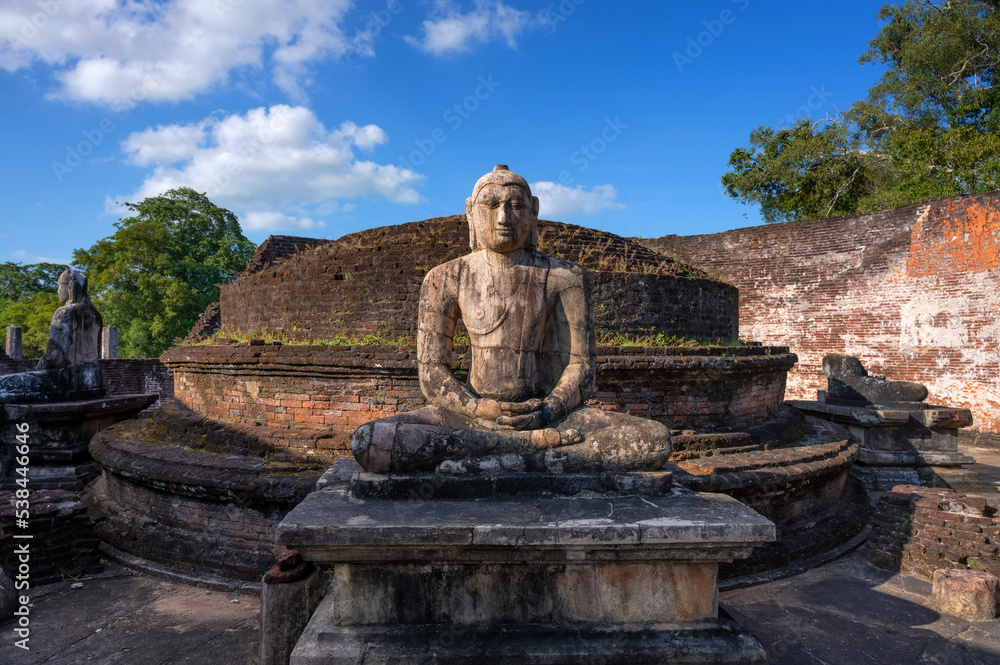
x,y
534,206
472,227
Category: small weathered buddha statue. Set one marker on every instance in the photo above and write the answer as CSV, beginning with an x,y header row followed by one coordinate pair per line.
x,y
848,380
531,332
70,369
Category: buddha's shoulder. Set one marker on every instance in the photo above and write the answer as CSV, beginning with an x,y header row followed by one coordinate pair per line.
x,y
561,271
448,269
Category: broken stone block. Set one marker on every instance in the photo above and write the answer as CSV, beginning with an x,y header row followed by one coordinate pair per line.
x,y
968,594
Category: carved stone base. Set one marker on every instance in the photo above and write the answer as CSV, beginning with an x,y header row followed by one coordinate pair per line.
x,y
900,443
531,577
58,435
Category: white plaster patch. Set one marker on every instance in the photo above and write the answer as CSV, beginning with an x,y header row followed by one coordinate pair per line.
x,y
921,321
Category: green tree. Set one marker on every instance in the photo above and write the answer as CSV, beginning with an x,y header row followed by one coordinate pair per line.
x,y
19,282
929,128
33,314
162,267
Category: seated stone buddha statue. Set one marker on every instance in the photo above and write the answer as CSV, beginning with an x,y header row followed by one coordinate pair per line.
x,y
531,330
70,369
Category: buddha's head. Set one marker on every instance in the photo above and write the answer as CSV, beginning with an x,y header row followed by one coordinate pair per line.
x,y
72,286
502,213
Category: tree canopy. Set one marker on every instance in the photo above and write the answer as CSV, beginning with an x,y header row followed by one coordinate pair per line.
x,y
19,282
34,314
27,299
162,267
929,128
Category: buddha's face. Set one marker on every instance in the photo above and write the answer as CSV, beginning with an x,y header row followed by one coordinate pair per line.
x,y
503,217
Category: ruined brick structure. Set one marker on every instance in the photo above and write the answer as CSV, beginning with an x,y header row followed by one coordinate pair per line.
x,y
913,292
916,530
64,542
369,283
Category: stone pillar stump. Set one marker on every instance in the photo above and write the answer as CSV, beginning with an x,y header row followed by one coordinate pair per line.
x,y
968,594
13,344
109,343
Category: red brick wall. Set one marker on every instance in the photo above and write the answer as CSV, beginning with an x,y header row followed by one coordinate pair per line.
x,y
913,292
340,387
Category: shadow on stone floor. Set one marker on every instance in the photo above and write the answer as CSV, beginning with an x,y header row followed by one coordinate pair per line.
x,y
851,613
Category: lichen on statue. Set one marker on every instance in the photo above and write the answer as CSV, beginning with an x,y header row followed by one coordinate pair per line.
x,y
531,330
70,369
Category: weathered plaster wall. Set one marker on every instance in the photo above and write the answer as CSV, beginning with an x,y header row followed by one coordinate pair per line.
x,y
913,292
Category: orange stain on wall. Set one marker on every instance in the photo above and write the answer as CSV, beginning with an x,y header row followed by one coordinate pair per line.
x,y
954,239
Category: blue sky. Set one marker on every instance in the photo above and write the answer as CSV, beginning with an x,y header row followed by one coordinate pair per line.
x,y
323,117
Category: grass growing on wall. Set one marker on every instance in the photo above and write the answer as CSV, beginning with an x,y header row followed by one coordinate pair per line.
x,y
461,339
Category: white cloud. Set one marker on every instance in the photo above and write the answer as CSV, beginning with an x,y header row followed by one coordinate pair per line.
x,y
559,202
366,137
453,31
165,144
267,164
273,221
115,53
23,257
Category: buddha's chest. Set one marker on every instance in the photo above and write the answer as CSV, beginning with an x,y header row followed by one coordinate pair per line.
x,y
506,307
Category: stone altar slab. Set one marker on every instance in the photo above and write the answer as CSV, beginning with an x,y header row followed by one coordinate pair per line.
x,y
902,443
521,578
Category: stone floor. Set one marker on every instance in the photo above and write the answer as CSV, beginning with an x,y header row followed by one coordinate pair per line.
x,y
851,613
125,618
987,463
844,613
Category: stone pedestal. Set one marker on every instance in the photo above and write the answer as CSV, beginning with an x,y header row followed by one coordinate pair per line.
x,y
58,435
522,575
905,443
